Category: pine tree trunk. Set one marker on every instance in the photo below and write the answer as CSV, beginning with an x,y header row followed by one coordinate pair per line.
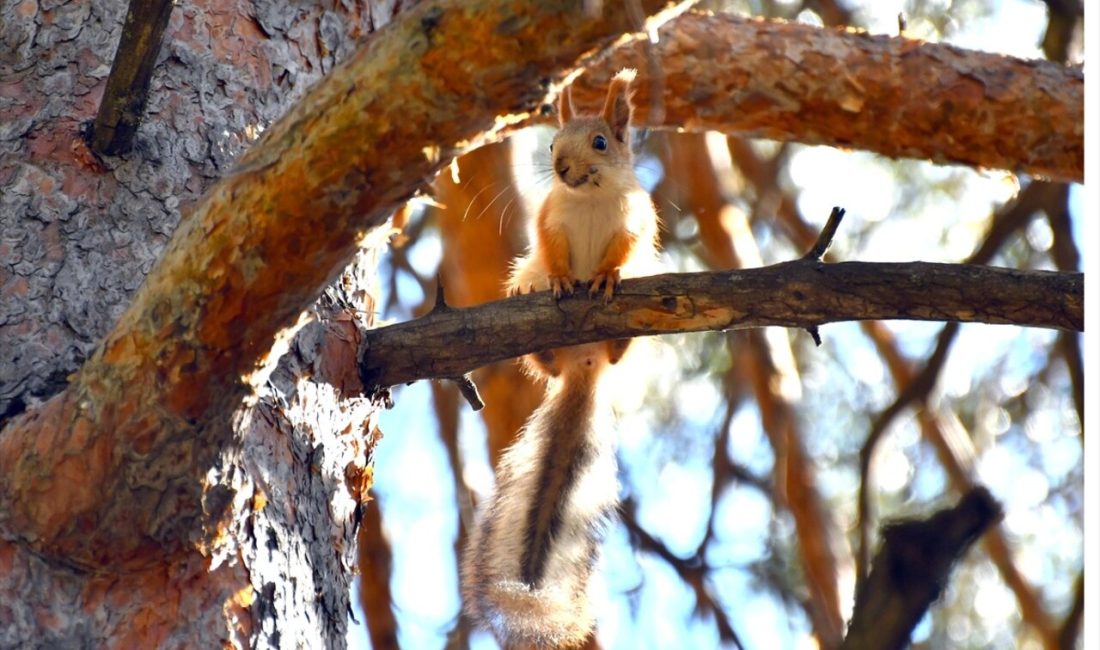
x,y
78,236
190,485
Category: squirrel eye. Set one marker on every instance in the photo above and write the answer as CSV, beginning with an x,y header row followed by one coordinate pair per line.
x,y
599,143
551,147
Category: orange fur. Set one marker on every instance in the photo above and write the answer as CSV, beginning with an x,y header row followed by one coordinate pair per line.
x,y
553,245
526,568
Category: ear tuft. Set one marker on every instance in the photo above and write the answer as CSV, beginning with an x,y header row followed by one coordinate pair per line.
x,y
565,106
617,108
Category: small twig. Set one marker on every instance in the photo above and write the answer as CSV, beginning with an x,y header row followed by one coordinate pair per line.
x,y
817,254
440,300
825,239
123,101
468,388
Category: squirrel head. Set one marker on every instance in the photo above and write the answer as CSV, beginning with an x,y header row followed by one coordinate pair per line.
x,y
592,152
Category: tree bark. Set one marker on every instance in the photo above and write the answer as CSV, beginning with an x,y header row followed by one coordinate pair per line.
x,y
181,471
201,334
792,294
894,96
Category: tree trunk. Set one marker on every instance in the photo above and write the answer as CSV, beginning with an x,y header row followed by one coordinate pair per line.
x,y
192,485
76,243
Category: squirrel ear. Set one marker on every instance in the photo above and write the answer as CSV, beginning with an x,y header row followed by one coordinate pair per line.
x,y
617,108
565,106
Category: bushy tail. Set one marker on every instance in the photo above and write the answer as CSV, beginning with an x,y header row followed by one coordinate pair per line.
x,y
526,567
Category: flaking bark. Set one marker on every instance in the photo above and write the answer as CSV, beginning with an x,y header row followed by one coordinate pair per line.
x,y
148,413
895,96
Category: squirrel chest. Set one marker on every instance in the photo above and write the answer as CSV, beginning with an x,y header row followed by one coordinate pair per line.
x,y
590,220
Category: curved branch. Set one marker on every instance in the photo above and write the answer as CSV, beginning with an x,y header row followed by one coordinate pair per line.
x,y
801,293
111,473
891,95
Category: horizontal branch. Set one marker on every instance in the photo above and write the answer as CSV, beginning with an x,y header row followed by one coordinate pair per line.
x,y
890,95
449,342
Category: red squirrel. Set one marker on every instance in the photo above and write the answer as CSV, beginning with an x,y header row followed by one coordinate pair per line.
x,y
527,564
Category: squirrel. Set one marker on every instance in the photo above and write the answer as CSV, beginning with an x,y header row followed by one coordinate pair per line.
x,y
526,566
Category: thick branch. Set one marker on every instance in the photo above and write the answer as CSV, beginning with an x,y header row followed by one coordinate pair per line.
x,y
912,568
890,95
802,293
111,471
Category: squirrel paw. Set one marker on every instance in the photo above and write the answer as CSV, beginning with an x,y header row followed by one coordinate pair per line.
x,y
609,280
518,290
562,284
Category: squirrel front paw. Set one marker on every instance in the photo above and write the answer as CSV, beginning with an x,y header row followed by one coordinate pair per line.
x,y
562,284
514,290
609,280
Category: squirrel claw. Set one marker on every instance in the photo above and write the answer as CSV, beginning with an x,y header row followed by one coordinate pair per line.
x,y
562,284
519,290
608,280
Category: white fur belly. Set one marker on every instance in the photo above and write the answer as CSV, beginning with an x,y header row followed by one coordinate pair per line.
x,y
589,226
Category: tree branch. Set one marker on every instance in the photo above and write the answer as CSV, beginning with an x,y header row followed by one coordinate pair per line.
x,y
111,472
891,95
911,569
123,101
801,293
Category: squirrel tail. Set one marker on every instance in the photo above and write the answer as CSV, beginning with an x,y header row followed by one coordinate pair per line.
x,y
527,564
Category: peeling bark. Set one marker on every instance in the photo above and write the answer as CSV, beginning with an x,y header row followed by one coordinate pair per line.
x,y
210,492
895,96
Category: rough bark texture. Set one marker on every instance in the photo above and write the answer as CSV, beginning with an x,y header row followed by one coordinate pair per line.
x,y
890,95
183,491
223,298
277,573
78,236
791,294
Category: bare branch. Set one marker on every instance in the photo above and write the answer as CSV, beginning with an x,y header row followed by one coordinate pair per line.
x,y
123,101
792,294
